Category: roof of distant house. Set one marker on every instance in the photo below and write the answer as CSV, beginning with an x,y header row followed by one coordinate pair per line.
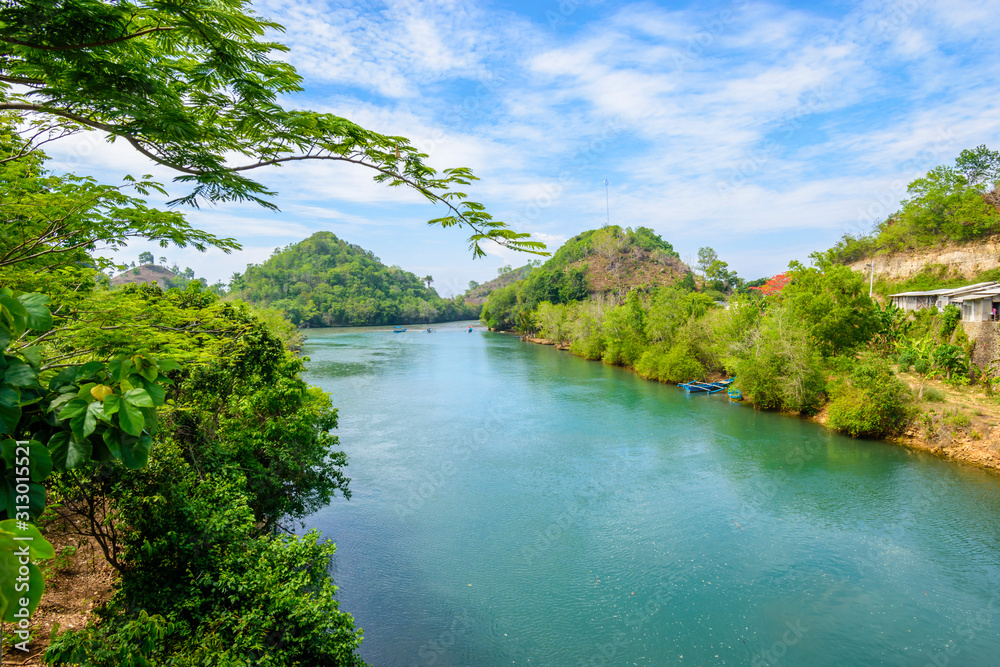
x,y
979,290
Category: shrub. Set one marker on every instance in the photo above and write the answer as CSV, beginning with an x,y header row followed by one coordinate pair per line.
x,y
906,361
777,367
873,402
933,395
958,419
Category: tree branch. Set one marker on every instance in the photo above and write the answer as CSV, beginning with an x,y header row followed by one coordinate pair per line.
x,y
78,47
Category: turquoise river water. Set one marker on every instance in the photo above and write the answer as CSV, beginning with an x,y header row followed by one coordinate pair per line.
x,y
515,505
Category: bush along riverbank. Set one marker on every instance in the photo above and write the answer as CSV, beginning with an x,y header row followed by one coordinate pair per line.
x,y
809,342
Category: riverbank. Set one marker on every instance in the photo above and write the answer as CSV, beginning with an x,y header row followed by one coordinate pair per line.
x,y
955,423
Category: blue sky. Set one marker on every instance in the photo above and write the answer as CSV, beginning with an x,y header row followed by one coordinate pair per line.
x,y
764,130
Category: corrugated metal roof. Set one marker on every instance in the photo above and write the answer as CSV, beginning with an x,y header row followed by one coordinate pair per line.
x,y
954,291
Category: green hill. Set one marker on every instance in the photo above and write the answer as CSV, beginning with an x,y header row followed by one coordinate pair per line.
x,y
325,281
611,261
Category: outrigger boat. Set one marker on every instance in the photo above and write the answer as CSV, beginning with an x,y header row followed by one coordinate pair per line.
x,y
398,329
694,386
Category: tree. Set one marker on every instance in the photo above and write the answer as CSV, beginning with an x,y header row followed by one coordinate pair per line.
x,y
706,256
145,258
832,302
980,166
473,285
195,87
163,261
428,280
773,285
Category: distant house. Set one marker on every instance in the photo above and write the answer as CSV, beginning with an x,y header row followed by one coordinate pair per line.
x,y
979,302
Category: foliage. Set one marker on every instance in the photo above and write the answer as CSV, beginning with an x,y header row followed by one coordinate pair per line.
x,y
325,281
624,335
718,275
561,281
51,221
872,402
933,395
101,411
676,364
244,447
833,303
582,245
776,364
950,203
195,88
772,285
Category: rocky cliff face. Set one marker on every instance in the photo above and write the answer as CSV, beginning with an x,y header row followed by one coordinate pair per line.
x,y
966,261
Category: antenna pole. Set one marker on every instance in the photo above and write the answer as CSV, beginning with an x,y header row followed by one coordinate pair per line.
x,y
607,203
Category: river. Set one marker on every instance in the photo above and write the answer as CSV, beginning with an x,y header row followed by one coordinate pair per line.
x,y
516,505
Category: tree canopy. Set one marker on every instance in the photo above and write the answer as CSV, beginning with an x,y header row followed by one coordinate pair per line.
x,y
194,86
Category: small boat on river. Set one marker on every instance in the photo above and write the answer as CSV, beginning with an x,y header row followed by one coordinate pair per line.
x,y
398,329
696,387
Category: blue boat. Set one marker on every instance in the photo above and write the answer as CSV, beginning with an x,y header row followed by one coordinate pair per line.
x,y
696,387
398,329
735,394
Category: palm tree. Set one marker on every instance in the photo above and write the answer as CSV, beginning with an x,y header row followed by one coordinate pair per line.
x,y
428,280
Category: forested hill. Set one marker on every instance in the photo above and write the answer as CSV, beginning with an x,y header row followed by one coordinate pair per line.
x,y
325,281
611,261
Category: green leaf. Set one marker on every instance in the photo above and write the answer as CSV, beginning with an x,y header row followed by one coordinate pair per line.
x,y
38,315
167,365
120,369
58,447
157,393
111,404
113,443
20,374
73,408
62,378
130,418
33,355
136,456
78,453
149,372
41,461
139,398
10,410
